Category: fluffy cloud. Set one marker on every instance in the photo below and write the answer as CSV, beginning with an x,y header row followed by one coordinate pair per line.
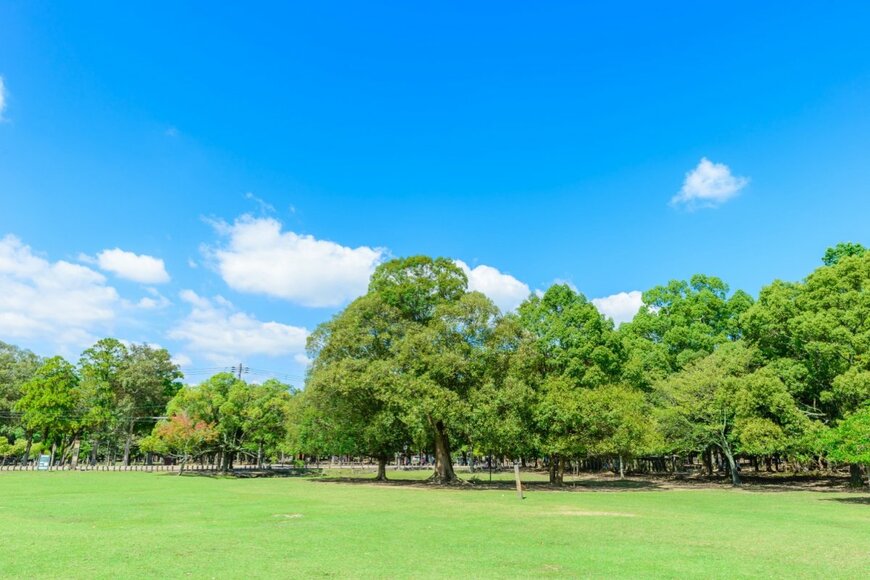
x,y
58,302
182,360
621,307
709,185
258,257
506,291
136,267
215,329
2,98
155,301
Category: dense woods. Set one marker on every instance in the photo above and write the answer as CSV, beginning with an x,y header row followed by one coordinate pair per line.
x,y
702,377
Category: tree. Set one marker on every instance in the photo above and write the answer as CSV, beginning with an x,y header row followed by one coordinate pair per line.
x,y
352,385
147,380
182,437
850,441
501,419
219,402
101,368
730,401
842,250
572,348
679,323
440,366
50,402
816,335
16,367
264,418
404,359
618,423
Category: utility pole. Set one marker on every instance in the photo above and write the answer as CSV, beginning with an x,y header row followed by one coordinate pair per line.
x,y
239,370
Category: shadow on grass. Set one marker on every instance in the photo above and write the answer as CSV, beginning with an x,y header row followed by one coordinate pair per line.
x,y
772,483
247,473
862,500
769,483
507,485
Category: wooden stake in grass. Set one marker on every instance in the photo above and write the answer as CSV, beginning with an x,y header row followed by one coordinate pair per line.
x,y
517,477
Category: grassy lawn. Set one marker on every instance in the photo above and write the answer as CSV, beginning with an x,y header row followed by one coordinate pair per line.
x,y
119,525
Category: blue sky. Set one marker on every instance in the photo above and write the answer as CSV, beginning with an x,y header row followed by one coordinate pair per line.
x,y
271,156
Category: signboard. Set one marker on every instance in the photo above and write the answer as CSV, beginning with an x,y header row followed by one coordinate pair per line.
x,y
43,462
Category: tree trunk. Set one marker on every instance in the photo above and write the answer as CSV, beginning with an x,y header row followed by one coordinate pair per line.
x,y
557,469
94,447
127,444
53,451
621,468
382,469
74,454
732,465
260,455
227,458
183,463
707,455
26,457
443,462
855,475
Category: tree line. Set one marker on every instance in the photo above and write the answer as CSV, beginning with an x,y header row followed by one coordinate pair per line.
x,y
121,403
700,375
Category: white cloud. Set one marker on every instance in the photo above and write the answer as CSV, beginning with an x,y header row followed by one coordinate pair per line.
x,y
59,302
709,185
2,97
621,307
153,302
260,258
182,360
215,329
506,291
136,267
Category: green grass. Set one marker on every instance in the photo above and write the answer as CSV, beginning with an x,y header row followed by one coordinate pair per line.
x,y
120,525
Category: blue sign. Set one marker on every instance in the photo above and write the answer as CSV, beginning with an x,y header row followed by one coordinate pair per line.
x,y
43,462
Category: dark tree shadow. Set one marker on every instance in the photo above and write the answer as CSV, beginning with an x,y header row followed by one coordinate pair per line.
x,y
862,500
247,473
586,485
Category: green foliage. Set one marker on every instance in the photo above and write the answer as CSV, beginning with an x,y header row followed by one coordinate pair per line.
x,y
619,422
850,441
817,334
50,402
421,363
572,338
680,323
842,250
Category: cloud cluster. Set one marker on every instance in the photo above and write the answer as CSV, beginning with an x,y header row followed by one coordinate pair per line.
x,y
506,291
709,185
222,334
60,302
136,267
621,307
259,258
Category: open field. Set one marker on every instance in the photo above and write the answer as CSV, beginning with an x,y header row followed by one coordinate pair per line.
x,y
156,525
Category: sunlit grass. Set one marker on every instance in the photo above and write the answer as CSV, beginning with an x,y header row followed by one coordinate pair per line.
x,y
100,525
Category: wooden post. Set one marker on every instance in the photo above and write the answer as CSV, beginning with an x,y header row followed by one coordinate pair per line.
x,y
517,477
